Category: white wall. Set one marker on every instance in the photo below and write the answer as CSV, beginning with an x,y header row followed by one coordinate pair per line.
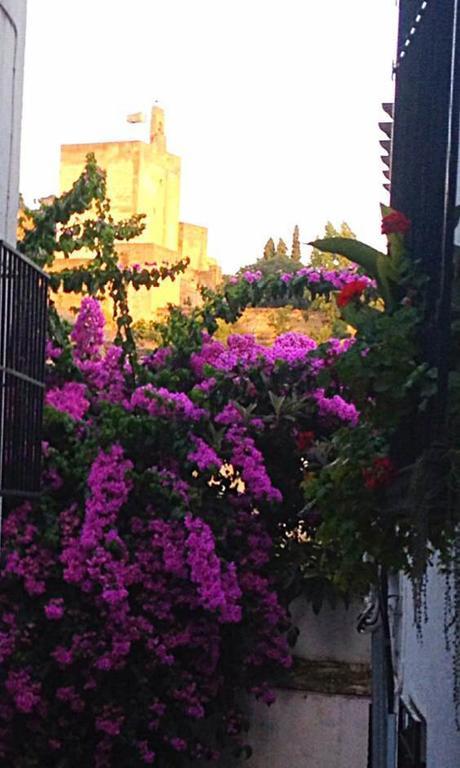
x,y
306,729
310,730
12,34
425,672
330,635
315,730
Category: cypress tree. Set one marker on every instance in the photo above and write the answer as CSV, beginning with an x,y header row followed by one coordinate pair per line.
x,y
269,249
295,251
281,248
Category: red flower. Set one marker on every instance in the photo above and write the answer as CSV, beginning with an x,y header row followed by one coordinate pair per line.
x,y
395,223
379,474
350,292
304,440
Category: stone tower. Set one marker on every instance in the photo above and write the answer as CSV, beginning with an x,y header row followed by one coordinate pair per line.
x,y
145,178
157,129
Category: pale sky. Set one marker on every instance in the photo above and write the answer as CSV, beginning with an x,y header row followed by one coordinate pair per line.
x,y
272,105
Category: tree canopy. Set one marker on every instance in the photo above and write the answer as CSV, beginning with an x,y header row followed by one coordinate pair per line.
x,y
269,249
295,249
332,260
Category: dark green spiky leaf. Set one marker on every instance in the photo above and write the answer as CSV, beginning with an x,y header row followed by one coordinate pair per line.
x,y
360,253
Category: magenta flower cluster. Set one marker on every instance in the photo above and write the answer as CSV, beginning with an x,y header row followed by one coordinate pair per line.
x,y
88,331
203,455
105,375
162,402
70,399
242,352
217,591
331,279
336,407
247,458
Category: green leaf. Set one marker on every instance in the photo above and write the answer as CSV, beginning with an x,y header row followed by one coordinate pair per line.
x,y
354,250
385,210
385,278
356,316
277,402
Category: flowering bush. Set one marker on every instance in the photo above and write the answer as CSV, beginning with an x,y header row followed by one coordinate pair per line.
x,y
300,288
143,594
138,597
187,498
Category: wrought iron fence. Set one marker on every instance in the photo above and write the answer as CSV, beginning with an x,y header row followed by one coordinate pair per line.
x,y
23,306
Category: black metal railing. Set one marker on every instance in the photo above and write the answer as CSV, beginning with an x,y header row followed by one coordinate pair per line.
x,y
23,307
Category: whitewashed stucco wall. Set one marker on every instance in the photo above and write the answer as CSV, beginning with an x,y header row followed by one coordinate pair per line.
x,y
310,730
315,730
305,729
12,37
331,634
425,672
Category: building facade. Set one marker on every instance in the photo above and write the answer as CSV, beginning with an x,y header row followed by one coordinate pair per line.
x,y
12,38
144,178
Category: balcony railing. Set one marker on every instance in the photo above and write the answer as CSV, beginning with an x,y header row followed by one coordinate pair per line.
x,y
23,308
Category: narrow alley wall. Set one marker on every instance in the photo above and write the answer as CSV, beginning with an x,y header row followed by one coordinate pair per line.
x,y
424,666
12,38
321,715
